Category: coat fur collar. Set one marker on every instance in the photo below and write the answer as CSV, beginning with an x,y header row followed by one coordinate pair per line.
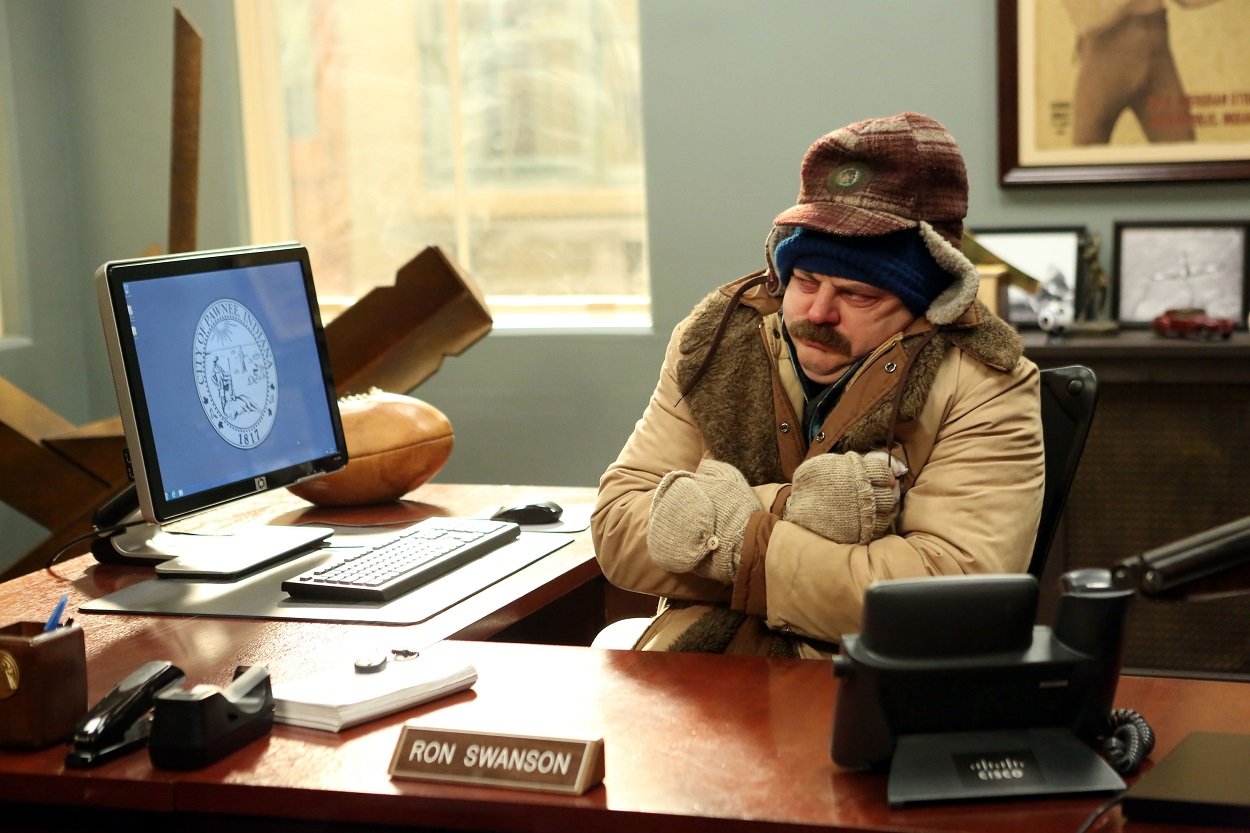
x,y
733,400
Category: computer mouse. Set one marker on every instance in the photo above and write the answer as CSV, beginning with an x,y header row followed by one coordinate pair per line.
x,y
527,514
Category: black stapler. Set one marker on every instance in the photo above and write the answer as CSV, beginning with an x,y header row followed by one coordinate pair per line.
x,y
193,728
122,721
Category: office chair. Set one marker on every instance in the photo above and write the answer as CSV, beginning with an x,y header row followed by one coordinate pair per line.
x,y
1069,395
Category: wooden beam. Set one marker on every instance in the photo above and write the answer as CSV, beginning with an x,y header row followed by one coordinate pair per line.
x,y
36,480
184,168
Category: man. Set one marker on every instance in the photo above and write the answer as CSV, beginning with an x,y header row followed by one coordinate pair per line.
x,y
847,414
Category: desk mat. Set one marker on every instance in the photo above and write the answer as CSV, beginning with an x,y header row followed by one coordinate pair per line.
x,y
260,595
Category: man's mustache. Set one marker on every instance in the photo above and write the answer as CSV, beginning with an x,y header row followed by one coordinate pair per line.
x,y
820,333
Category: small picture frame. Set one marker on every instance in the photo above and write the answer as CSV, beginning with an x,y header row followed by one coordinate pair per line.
x,y
1051,256
1180,265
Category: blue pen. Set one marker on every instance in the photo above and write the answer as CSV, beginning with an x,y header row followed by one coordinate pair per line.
x,y
54,621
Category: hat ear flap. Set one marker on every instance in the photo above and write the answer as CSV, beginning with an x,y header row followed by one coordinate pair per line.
x,y
965,283
775,235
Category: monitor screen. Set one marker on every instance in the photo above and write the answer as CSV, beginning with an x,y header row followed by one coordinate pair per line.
x,y
222,375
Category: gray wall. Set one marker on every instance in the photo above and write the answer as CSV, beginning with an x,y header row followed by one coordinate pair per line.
x,y
733,93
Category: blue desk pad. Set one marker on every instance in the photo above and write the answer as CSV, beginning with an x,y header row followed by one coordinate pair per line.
x,y
259,595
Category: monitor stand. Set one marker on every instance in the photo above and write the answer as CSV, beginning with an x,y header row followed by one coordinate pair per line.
x,y
207,556
217,556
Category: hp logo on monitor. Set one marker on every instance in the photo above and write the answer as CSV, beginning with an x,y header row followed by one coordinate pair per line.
x,y
261,484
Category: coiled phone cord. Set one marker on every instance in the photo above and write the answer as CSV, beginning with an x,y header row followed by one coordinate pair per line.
x,y
1130,740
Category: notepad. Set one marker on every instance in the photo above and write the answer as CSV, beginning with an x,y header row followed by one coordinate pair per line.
x,y
340,698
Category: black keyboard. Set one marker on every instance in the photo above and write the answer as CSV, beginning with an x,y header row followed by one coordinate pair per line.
x,y
415,556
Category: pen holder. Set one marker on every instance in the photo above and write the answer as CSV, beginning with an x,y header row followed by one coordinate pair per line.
x,y
43,684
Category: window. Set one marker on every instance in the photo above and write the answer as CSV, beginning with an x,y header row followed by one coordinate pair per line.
x,y
507,132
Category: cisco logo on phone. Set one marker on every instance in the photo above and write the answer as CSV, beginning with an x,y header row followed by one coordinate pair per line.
x,y
999,768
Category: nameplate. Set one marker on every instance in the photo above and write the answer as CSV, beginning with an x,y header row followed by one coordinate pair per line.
x,y
493,760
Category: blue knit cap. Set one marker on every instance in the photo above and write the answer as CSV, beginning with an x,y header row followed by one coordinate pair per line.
x,y
898,262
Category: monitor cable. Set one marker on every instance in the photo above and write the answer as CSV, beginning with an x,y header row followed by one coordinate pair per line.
x,y
1099,812
107,532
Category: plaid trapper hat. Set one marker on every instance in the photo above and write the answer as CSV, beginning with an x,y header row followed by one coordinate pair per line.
x,y
882,175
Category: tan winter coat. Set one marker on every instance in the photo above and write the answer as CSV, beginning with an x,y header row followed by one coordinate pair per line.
x,y
968,426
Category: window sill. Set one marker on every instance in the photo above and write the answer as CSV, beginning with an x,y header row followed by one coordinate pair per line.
x,y
530,323
523,314
14,342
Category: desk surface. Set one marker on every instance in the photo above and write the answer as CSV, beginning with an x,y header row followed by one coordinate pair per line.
x,y
225,643
692,742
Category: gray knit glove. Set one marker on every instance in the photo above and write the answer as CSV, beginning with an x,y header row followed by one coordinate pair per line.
x,y
848,498
698,520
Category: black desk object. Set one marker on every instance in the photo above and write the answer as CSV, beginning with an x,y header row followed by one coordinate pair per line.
x,y
1204,780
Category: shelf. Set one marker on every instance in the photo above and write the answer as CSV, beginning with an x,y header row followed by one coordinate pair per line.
x,y
1140,356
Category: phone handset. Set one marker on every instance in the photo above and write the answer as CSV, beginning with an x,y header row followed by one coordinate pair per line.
x,y
1091,619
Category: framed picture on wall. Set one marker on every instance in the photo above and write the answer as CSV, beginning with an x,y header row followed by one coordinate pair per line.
x,y
1051,257
1086,95
1173,265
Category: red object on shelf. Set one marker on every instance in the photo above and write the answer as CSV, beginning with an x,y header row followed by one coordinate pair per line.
x,y
1190,322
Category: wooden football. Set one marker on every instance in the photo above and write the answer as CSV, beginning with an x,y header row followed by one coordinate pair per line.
x,y
394,444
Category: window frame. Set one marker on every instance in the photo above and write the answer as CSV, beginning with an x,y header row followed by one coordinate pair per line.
x,y
270,215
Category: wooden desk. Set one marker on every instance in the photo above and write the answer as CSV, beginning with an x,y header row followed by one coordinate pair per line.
x,y
559,598
692,743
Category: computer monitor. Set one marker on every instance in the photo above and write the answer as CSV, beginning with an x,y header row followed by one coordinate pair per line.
x,y
223,381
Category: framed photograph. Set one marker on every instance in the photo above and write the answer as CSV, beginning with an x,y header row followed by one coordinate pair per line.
x,y
1051,256
1180,265
1074,105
